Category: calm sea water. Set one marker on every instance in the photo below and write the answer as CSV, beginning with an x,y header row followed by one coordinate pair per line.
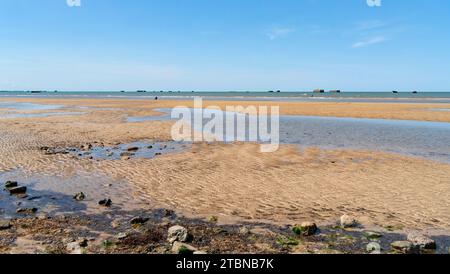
x,y
429,97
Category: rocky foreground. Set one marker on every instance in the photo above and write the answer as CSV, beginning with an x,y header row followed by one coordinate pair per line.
x,y
163,232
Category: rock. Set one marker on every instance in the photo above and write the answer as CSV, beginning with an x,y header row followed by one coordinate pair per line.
x,y
177,233
305,229
18,190
347,221
74,248
122,236
139,220
10,184
4,224
168,212
213,219
79,196
132,149
405,247
373,248
105,202
126,154
182,248
31,210
115,224
244,231
370,235
86,147
422,241
200,252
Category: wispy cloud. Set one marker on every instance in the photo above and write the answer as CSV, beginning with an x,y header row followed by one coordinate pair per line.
x,y
369,42
278,32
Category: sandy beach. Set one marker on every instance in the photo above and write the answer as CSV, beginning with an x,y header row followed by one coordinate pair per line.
x,y
235,183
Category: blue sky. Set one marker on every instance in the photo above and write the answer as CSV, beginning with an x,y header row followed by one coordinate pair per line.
x,y
225,45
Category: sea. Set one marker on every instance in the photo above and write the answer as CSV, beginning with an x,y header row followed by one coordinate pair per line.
x,y
406,97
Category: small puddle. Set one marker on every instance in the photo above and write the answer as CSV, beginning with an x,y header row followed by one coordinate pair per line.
x,y
133,150
38,115
28,106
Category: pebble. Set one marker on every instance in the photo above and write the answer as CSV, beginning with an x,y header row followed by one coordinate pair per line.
x,y
405,247
347,221
373,248
79,196
4,224
422,241
105,202
177,233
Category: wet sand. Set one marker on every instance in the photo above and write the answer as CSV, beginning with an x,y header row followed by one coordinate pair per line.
x,y
234,182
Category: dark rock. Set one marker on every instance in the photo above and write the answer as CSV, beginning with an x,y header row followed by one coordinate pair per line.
x,y
79,196
30,210
168,212
4,224
10,184
132,149
18,190
139,220
105,202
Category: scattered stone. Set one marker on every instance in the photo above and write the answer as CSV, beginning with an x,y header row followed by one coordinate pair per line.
x,y
405,247
4,224
213,219
244,231
370,235
305,229
158,154
200,252
347,221
422,241
177,233
74,248
18,190
132,149
105,202
110,154
121,236
115,224
30,210
79,197
126,154
10,184
373,248
182,248
86,147
139,220
168,212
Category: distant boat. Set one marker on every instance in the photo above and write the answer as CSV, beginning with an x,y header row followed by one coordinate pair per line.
x,y
414,92
122,91
319,91
270,91
141,91
36,91
335,91
394,91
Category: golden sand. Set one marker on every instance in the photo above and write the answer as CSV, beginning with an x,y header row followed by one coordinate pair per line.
x,y
236,181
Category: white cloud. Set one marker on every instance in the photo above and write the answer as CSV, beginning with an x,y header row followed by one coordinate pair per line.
x,y
278,32
369,42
